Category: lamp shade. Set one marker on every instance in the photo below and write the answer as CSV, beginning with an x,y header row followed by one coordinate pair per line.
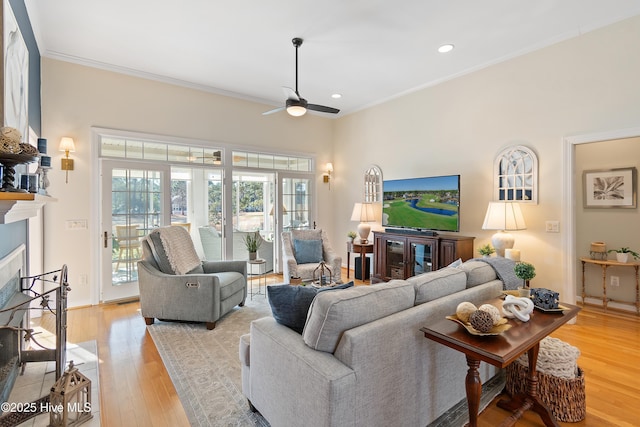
x,y
504,216
363,212
329,167
66,144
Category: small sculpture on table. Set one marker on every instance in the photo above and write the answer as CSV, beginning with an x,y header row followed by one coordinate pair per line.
x,y
319,275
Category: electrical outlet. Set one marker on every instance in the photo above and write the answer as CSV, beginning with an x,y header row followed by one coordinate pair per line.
x,y
615,281
83,279
552,226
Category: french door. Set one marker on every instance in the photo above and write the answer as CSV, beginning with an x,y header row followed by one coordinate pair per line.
x,y
138,203
295,210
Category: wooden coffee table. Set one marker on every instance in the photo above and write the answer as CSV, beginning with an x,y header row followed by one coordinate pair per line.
x,y
501,350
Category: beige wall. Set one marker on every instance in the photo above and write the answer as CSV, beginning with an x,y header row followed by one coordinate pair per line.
x,y
580,86
75,98
615,227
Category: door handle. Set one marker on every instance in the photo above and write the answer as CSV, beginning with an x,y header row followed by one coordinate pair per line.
x,y
106,240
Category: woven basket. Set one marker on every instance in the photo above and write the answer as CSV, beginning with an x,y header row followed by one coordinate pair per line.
x,y
565,397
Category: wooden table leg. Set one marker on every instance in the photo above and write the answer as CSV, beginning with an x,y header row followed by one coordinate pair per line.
x,y
521,403
363,263
604,286
348,260
473,387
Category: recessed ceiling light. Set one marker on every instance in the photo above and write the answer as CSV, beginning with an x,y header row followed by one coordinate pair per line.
x,y
445,48
336,96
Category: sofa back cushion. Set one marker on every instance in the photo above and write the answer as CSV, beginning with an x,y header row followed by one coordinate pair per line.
x,y
437,284
478,272
333,313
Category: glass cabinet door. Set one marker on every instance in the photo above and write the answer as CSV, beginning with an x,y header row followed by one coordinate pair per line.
x,y
422,258
394,259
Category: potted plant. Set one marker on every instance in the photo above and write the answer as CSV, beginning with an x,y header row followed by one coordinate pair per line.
x,y
622,254
486,250
351,235
252,242
526,272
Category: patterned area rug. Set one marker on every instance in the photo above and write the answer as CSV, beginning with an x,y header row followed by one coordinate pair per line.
x,y
204,365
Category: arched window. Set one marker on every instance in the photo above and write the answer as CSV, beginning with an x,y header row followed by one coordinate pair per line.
x,y
516,175
373,184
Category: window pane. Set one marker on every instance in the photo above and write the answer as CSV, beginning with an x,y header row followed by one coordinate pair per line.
x,y
178,153
113,147
134,149
155,151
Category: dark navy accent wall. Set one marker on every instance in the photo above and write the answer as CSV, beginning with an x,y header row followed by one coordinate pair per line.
x,y
11,236
20,11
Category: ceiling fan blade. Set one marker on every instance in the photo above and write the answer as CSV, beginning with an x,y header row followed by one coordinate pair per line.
x,y
275,110
290,93
322,108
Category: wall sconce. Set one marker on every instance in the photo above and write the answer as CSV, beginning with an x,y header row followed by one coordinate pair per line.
x,y
67,145
327,176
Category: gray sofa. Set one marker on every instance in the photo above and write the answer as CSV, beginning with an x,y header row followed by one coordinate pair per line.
x,y
361,359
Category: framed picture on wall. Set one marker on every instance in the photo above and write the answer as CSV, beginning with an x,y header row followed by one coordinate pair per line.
x,y
610,188
16,74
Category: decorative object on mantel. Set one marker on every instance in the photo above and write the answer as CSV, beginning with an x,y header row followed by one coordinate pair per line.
x,y
13,153
70,399
503,216
622,254
598,251
43,167
351,235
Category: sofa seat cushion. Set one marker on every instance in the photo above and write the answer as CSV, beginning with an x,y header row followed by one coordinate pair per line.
x,y
230,283
290,304
478,272
437,284
333,313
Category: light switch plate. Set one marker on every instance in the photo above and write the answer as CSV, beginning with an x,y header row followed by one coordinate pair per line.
x,y
552,226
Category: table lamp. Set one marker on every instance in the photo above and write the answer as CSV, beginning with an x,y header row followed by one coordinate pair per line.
x,y
364,213
503,216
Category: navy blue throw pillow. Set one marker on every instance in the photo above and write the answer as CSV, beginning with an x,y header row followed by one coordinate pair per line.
x,y
290,304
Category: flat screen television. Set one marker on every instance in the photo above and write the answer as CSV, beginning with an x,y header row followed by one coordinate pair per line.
x,y
427,203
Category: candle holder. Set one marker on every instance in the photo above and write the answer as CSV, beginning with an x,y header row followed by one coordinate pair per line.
x,y
10,161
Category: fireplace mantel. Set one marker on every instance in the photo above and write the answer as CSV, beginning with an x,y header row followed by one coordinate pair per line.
x,y
19,206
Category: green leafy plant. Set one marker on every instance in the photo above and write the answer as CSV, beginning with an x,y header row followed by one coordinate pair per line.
x,y
252,241
525,271
625,250
486,250
351,234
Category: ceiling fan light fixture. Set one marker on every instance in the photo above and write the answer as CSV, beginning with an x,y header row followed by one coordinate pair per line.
x,y
296,108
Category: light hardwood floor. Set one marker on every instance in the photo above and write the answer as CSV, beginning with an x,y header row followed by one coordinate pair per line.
x,y
135,389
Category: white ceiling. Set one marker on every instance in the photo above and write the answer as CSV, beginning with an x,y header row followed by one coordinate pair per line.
x,y
370,51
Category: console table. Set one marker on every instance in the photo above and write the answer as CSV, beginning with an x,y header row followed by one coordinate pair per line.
x,y
359,248
604,264
501,350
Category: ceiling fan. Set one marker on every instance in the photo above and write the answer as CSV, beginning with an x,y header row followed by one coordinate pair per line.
x,y
295,104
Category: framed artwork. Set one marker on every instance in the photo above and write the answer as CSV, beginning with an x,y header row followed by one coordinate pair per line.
x,y
610,188
16,74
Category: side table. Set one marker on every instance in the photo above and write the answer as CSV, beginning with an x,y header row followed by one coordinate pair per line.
x,y
359,248
261,265
604,264
501,351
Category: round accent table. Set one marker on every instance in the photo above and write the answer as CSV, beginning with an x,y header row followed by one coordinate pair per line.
x,y
257,269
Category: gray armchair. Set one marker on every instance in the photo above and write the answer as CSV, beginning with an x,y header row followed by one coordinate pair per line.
x,y
294,266
207,292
